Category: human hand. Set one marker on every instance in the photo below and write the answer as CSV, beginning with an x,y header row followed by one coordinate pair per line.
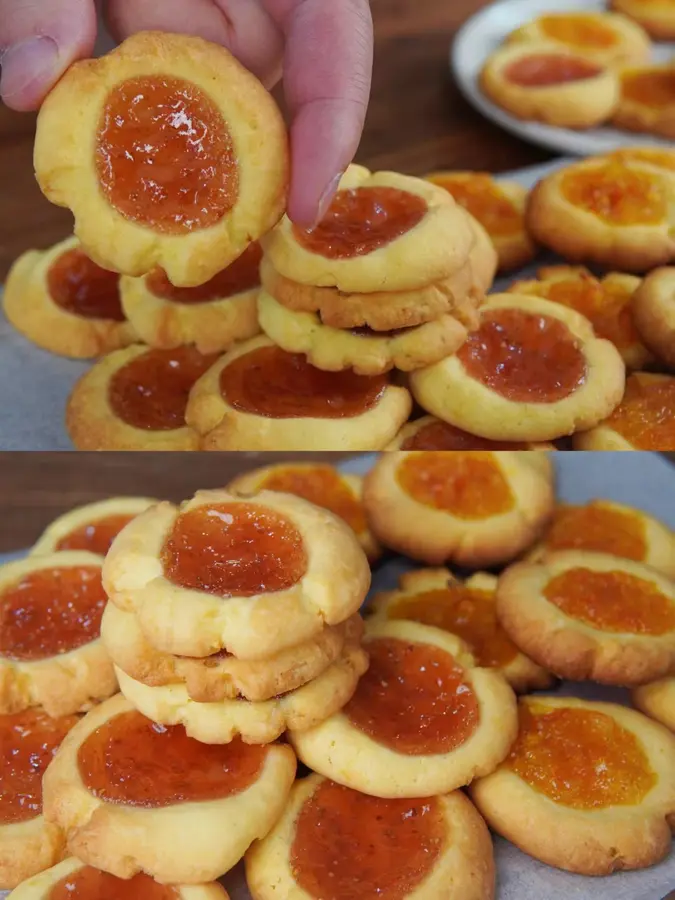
x,y
323,48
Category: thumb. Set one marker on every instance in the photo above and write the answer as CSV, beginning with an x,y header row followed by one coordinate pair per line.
x,y
39,39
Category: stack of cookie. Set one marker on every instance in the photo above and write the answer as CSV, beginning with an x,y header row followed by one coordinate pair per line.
x,y
390,278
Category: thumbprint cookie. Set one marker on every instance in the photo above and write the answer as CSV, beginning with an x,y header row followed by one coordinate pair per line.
x,y
653,311
430,433
647,100
657,700
657,17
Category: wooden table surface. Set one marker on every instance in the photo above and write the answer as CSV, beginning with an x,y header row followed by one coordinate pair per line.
x,y
417,122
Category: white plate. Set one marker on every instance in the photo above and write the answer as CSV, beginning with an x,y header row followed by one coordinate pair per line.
x,y
482,35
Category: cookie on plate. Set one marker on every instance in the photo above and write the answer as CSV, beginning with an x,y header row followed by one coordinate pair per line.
x,y
647,100
653,311
430,433
657,700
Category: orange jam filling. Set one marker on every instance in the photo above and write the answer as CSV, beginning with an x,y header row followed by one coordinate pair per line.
x,y
28,742
579,30
612,601
234,549
525,357
151,391
580,758
88,883
348,846
467,485
136,762
270,382
321,485
485,201
242,275
617,194
414,699
51,611
79,286
96,537
361,220
654,89
164,156
646,415
546,70
443,436
599,528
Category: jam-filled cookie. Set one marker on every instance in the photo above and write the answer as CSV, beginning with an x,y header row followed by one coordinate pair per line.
x,y
323,485
177,157
92,527
474,508
647,100
62,301
653,311
74,880
333,841
607,37
136,399
134,797
51,654
435,597
598,776
586,615
28,844
424,719
534,370
657,700
548,82
499,206
430,433
612,212
657,17
382,228
607,527
606,302
258,397
250,575
644,420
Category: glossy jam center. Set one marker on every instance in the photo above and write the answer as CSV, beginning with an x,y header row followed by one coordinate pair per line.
x,y
612,601
270,382
82,288
242,275
51,611
413,699
234,549
654,89
598,528
88,883
360,220
348,846
485,201
580,758
525,357
135,762
579,30
646,415
443,436
28,741
321,485
617,194
467,485
547,69
164,156
151,392
96,537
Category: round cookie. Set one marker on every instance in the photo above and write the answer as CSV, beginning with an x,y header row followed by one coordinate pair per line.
x,y
548,82
331,839
28,844
63,302
657,700
250,575
642,421
134,797
136,399
647,100
258,397
533,371
91,527
430,433
473,508
591,616
655,16
598,776
612,212
321,484
435,597
423,721
653,311
208,196
51,654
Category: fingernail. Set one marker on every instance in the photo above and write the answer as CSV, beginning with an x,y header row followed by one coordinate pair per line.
x,y
326,198
33,59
